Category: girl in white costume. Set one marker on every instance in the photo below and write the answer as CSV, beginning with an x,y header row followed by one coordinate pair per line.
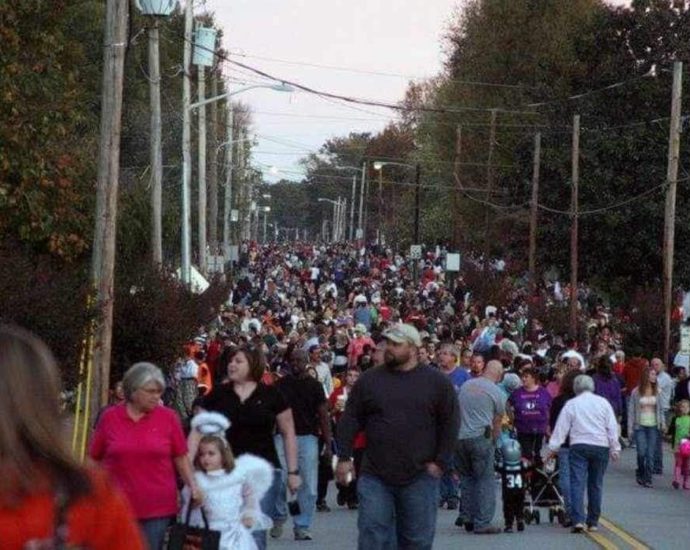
x,y
232,487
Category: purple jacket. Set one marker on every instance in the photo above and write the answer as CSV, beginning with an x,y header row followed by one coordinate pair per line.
x,y
610,389
531,409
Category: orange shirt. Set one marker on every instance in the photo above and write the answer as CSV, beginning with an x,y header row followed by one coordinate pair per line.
x,y
101,520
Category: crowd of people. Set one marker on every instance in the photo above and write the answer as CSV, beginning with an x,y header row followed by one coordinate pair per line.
x,y
363,370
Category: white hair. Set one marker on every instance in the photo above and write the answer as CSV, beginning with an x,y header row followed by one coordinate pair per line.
x,y
582,384
139,375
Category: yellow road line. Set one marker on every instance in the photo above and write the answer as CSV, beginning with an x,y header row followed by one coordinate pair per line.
x,y
602,541
623,535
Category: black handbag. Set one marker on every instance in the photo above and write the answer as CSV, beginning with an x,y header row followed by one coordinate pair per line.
x,y
183,537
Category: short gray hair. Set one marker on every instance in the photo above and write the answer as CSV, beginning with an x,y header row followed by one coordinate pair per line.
x,y
139,375
452,349
583,383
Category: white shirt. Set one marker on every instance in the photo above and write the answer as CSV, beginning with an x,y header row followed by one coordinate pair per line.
x,y
589,420
666,385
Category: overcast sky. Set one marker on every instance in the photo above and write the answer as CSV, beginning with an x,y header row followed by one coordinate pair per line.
x,y
403,39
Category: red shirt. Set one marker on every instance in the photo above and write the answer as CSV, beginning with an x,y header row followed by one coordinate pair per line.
x,y
101,520
360,439
139,457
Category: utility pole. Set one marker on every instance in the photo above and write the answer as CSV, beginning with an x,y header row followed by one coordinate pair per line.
x,y
105,231
201,206
366,207
352,206
670,214
417,204
458,181
360,226
574,226
227,197
533,214
186,148
156,145
213,174
489,189
380,208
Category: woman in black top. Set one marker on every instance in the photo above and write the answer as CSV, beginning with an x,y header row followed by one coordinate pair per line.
x,y
566,392
255,411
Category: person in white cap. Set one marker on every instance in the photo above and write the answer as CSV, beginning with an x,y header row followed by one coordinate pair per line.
x,y
409,414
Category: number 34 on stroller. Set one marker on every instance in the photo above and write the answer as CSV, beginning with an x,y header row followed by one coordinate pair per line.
x,y
543,492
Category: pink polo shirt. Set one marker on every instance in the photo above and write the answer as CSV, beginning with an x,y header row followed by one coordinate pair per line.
x,y
139,457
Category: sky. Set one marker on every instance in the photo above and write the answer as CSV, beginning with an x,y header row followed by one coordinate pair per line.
x,y
350,40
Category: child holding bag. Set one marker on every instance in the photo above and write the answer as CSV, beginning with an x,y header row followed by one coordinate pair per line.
x,y
232,487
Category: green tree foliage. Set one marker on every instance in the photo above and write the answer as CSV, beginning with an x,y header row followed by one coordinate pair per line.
x,y
542,53
48,128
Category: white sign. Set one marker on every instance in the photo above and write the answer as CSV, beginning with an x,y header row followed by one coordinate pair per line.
x,y
215,263
452,262
685,340
359,234
416,252
234,254
234,215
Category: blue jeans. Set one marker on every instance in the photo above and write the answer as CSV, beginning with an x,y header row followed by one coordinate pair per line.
x,y
393,517
564,479
267,505
475,460
308,464
587,466
646,440
153,531
449,485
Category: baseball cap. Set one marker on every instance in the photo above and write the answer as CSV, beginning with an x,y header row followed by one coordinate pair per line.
x,y
402,333
359,327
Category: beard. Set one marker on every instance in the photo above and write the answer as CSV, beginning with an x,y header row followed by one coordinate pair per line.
x,y
393,362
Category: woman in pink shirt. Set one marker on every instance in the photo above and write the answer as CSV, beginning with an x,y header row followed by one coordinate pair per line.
x,y
141,445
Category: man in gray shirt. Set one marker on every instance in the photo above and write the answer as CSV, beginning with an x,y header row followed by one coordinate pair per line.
x,y
482,405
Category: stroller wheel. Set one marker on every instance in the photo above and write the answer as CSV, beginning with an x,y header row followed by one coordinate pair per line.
x,y
561,517
537,517
527,515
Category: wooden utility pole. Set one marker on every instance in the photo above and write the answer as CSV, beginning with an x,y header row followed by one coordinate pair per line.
x,y
103,259
360,224
458,182
156,146
489,190
352,207
574,226
201,204
534,208
670,214
227,197
213,174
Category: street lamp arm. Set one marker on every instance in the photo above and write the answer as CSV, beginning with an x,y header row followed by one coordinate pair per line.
x,y
275,87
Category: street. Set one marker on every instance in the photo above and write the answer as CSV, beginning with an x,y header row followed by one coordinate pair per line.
x,y
634,518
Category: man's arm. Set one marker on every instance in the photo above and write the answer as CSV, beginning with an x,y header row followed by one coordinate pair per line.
x,y
350,423
562,428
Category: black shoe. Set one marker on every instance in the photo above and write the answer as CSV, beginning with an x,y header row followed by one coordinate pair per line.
x,y
521,526
459,521
469,526
675,485
490,530
322,507
441,503
340,499
352,505
452,505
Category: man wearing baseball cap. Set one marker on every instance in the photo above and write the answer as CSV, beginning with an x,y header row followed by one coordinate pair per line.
x,y
410,417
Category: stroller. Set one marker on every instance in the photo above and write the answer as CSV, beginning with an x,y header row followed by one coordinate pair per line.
x,y
543,492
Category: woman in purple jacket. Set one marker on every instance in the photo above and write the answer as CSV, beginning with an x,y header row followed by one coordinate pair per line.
x,y
607,385
529,406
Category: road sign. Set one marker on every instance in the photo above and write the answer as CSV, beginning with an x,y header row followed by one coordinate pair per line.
x,y
452,262
416,252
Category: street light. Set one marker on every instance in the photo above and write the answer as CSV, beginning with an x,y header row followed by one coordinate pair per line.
x,y
187,168
338,217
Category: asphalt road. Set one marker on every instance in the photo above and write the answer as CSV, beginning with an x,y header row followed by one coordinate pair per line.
x,y
634,517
